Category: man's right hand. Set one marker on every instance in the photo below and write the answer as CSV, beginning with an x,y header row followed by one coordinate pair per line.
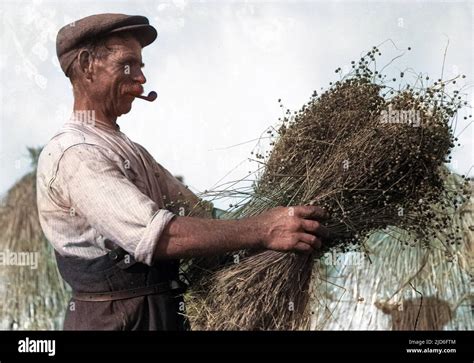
x,y
295,228
281,229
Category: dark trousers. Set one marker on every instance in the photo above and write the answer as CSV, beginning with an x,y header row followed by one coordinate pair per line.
x,y
162,311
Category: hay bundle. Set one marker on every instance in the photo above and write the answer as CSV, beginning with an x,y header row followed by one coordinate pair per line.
x,y
371,156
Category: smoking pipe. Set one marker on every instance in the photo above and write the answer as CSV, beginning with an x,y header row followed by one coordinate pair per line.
x,y
150,98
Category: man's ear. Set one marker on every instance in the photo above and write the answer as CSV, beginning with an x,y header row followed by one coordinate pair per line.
x,y
85,63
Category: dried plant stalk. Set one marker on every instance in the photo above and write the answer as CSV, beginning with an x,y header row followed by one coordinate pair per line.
x,y
345,152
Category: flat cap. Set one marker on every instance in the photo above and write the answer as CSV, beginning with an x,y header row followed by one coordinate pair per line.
x,y
71,36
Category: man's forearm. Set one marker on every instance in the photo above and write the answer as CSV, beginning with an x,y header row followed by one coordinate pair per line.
x,y
189,236
280,229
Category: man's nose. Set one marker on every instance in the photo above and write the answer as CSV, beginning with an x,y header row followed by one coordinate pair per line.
x,y
139,77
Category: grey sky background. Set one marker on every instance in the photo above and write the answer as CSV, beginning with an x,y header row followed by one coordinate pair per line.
x,y
219,69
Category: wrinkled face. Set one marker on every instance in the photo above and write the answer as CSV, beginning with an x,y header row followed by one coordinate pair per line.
x,y
118,76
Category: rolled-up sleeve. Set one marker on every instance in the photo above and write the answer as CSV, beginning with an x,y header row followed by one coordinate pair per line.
x,y
96,187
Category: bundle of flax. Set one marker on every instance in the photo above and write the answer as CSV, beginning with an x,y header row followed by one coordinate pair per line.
x,y
371,156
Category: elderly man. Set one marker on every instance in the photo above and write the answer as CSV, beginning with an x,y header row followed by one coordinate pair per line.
x,y
119,221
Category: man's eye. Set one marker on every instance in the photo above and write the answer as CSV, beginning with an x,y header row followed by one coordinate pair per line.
x,y
126,68
132,64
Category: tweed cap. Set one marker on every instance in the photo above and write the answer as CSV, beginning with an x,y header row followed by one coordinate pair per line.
x,y
71,36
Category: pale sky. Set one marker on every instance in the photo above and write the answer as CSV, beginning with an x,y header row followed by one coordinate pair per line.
x,y
219,69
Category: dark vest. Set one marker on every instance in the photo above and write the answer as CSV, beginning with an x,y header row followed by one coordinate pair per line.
x,y
114,292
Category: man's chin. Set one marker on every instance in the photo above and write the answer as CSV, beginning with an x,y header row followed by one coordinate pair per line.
x,y
125,108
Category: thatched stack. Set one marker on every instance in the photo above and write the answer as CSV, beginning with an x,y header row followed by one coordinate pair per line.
x,y
402,288
32,298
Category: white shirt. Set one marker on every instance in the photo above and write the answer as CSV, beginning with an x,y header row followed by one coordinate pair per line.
x,y
94,184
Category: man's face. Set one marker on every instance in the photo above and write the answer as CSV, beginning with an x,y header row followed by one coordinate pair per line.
x,y
118,76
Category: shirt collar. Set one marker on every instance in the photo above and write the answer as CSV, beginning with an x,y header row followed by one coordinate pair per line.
x,y
87,120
